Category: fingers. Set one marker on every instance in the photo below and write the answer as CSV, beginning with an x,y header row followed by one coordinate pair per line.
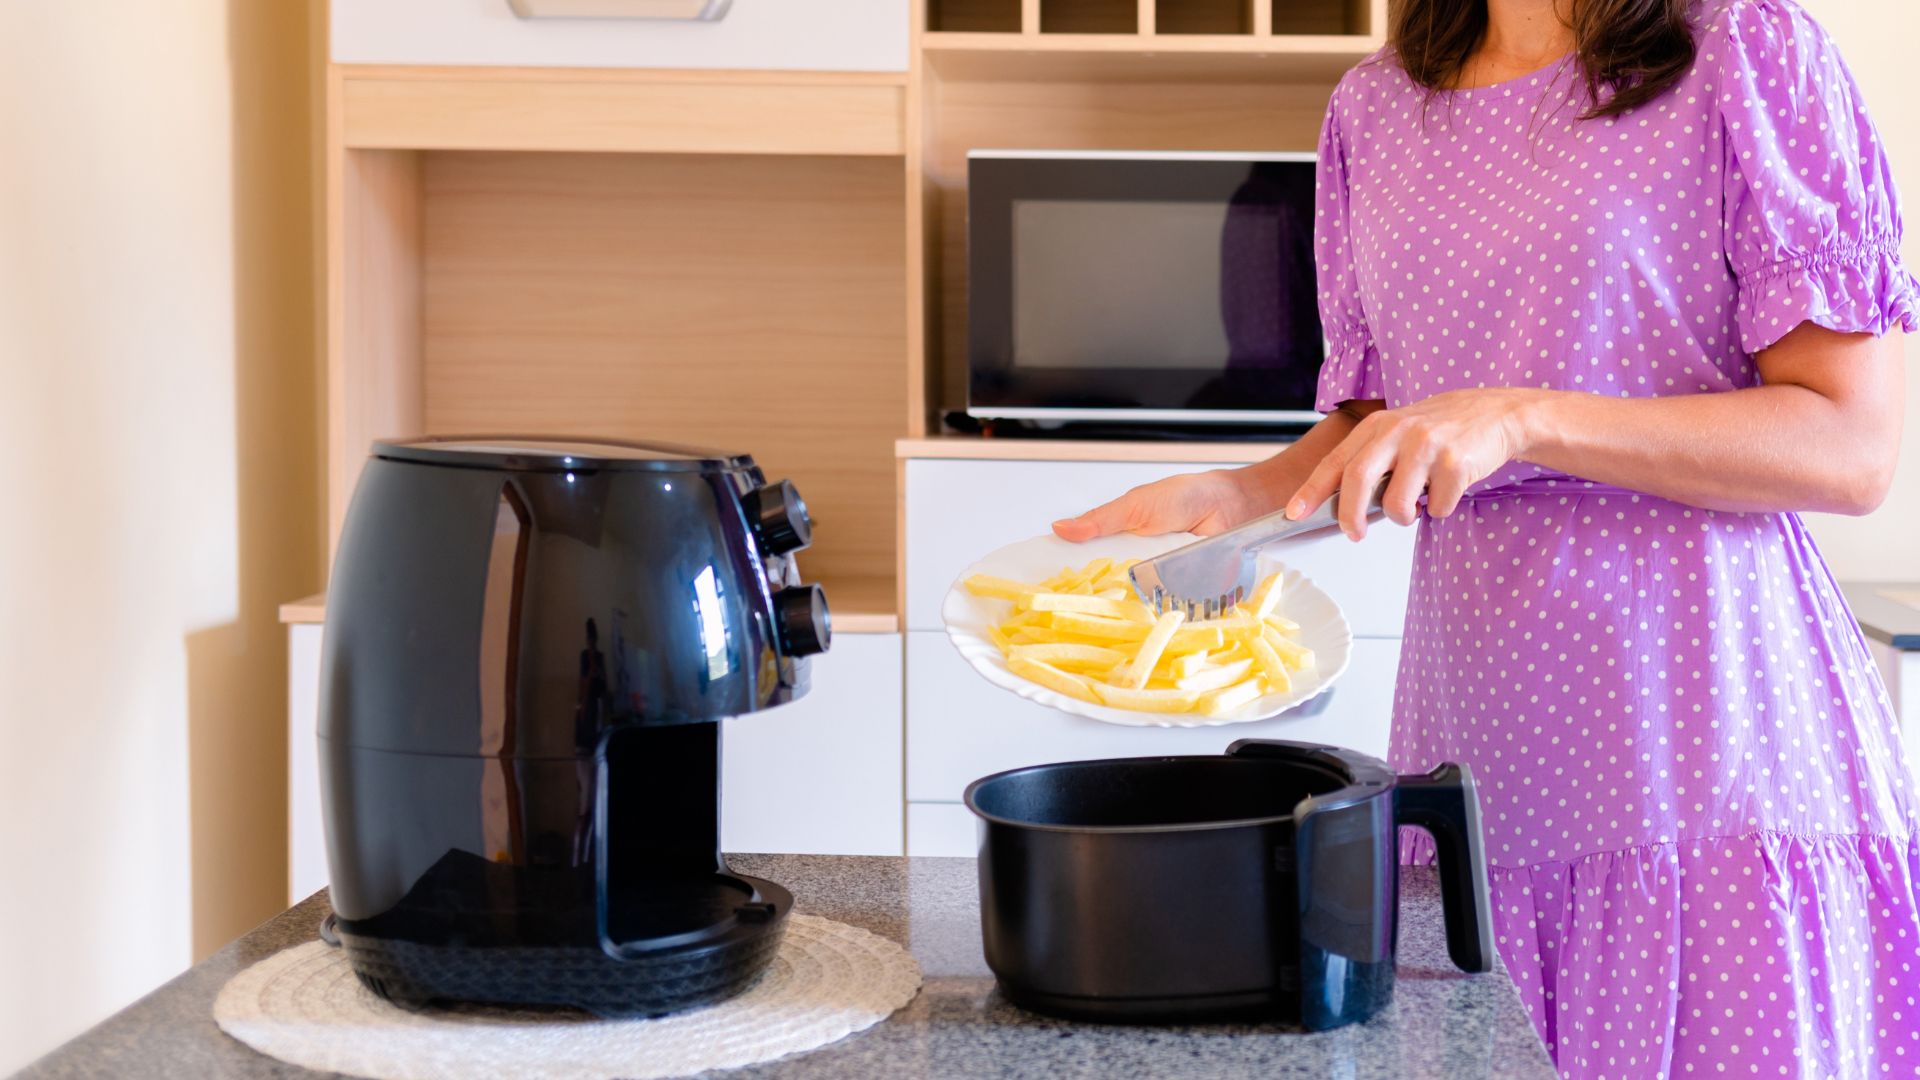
x,y
1102,520
1402,498
1359,479
1446,484
1324,480
1124,514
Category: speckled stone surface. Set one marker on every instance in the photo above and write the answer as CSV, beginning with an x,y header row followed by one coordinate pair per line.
x,y
1442,1023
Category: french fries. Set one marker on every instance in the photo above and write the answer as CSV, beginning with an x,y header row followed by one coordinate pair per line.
x,y
1083,633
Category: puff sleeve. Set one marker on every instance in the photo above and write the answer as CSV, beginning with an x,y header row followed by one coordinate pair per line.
x,y
1351,371
1811,219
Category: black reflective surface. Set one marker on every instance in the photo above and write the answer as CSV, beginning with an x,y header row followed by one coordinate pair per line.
x,y
1082,316
1258,883
528,647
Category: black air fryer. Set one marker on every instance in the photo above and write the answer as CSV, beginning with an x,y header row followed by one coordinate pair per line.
x,y
529,645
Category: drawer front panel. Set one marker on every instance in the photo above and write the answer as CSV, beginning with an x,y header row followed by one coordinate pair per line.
x,y
821,776
792,35
958,511
944,829
960,727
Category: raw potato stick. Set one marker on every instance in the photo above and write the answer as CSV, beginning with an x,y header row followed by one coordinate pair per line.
x,y
996,587
1229,699
1053,678
1270,665
1266,598
1152,647
1084,633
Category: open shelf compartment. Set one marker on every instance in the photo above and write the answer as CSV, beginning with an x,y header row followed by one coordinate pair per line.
x,y
746,302
1206,16
1308,17
974,16
1150,23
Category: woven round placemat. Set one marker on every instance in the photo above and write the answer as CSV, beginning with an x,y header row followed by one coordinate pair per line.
x,y
304,1006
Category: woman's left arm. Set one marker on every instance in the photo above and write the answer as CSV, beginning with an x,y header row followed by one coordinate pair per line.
x,y
1822,432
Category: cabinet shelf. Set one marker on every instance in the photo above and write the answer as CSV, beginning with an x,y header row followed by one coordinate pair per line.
x,y
1172,58
705,112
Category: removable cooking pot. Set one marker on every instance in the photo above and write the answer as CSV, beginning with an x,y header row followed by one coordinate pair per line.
x,y
1262,882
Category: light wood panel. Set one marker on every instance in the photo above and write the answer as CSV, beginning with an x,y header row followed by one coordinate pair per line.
x,y
753,303
660,112
1110,116
960,447
1171,59
306,610
373,312
917,217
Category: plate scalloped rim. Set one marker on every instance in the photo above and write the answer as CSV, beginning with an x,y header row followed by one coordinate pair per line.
x,y
1323,627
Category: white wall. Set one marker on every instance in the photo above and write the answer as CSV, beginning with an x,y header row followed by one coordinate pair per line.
x,y
146,336
1877,38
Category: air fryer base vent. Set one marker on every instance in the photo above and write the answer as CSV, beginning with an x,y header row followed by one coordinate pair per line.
x,y
413,975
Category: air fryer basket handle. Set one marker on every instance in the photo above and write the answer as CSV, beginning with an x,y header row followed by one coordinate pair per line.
x,y
1444,803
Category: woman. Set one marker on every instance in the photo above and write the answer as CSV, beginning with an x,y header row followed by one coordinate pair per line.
x,y
1608,285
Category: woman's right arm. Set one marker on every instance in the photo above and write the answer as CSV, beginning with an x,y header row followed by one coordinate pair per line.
x,y
1209,502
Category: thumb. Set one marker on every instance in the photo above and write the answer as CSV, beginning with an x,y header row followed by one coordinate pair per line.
x,y
1103,520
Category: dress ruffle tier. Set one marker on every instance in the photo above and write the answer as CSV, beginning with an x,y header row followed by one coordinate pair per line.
x,y
1798,954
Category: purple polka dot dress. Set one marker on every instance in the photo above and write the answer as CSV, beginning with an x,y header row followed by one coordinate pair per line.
x,y
1701,829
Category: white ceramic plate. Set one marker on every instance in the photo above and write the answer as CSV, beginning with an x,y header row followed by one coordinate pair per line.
x,y
1323,628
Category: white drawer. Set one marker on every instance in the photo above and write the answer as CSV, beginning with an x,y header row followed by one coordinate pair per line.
x,y
306,835
824,35
961,727
942,828
821,776
958,511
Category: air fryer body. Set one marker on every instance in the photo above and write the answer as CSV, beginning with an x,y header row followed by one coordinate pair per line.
x,y
528,647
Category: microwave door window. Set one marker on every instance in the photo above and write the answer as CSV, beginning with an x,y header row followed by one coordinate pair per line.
x,y
1117,285
1269,306
1190,304
1160,284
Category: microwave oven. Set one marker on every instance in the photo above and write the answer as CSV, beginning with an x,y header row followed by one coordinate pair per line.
x,y
1137,287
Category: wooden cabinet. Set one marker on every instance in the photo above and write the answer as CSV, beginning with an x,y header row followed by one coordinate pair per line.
x,y
751,233
827,35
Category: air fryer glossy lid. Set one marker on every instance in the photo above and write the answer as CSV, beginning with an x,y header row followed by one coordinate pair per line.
x,y
523,453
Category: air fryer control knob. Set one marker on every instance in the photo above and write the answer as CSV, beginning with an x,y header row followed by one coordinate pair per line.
x,y
805,625
780,517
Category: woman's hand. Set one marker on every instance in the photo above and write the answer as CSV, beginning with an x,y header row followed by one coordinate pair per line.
x,y
1203,503
1441,445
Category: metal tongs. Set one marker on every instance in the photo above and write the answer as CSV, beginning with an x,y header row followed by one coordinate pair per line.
x,y
1208,577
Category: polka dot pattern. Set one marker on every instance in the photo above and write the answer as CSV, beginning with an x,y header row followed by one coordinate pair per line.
x,y
1702,834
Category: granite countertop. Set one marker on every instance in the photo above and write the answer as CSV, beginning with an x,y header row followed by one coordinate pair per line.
x,y
1442,1022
